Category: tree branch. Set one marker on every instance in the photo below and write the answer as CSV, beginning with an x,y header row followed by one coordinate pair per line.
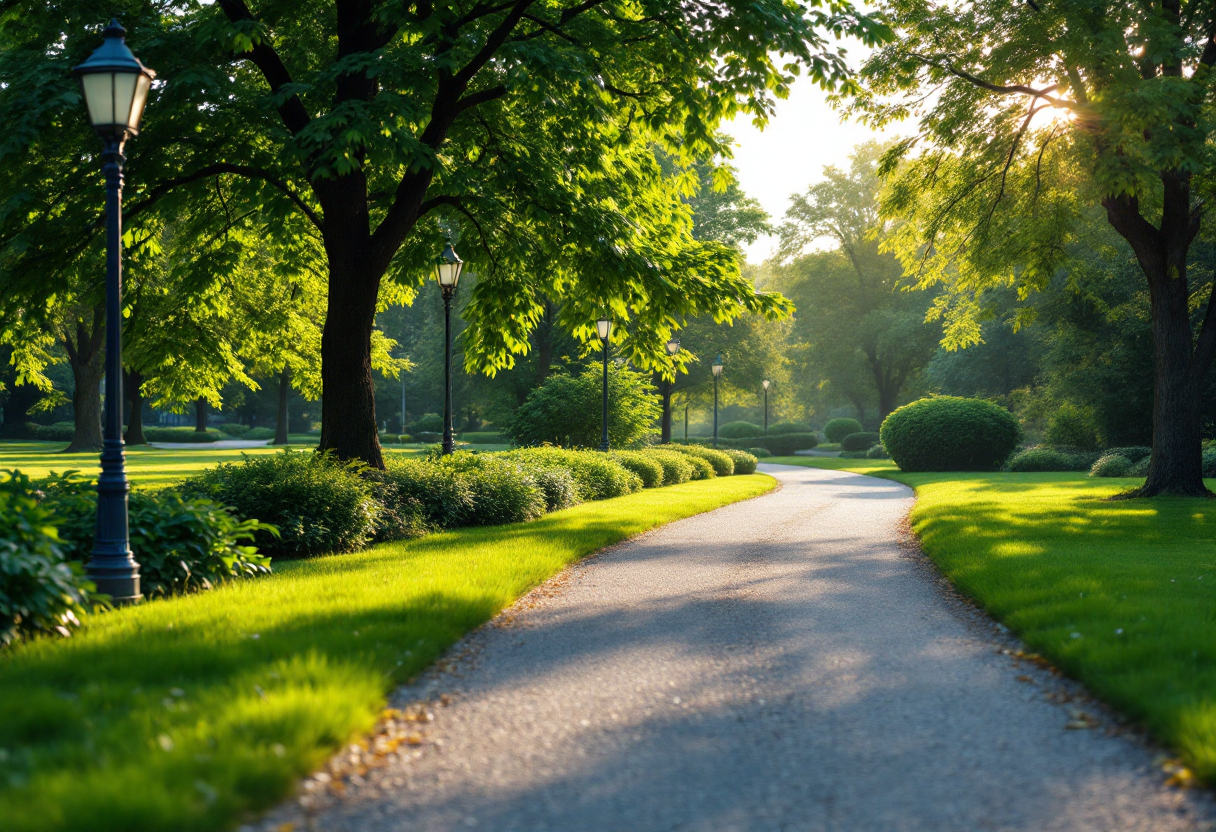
x,y
224,167
266,59
1001,89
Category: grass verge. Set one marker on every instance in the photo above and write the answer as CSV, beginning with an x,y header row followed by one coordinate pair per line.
x,y
189,714
146,466
1121,595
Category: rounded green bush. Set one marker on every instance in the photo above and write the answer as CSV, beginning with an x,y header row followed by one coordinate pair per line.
x,y
1133,452
649,471
722,464
759,453
861,441
739,430
837,429
745,463
558,486
779,428
1111,465
877,452
597,475
950,433
701,469
785,444
502,490
677,467
1049,459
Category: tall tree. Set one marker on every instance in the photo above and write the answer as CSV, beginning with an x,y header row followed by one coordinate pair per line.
x,y
1030,113
865,337
524,129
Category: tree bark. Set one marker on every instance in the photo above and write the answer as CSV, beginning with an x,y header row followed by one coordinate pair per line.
x,y
200,415
86,356
280,422
133,387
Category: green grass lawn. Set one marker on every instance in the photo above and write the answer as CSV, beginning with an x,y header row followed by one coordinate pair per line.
x,y
190,713
146,466
1121,595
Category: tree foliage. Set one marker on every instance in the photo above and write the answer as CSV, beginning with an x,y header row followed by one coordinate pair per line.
x,y
567,410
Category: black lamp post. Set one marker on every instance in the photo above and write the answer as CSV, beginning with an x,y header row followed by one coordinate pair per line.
x,y
447,273
673,347
115,87
603,328
717,368
766,383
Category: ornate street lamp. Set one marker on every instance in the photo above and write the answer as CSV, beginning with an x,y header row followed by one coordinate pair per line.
x,y
603,328
717,368
766,383
115,87
673,347
447,274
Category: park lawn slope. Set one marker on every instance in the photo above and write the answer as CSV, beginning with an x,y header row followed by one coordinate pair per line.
x,y
191,713
1121,595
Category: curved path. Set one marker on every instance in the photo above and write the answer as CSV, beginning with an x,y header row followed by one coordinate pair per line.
x,y
778,664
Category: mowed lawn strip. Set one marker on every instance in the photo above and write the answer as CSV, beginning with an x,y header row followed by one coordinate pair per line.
x,y
1121,595
190,713
147,467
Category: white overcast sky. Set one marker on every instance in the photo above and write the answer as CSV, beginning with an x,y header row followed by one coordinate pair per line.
x,y
804,136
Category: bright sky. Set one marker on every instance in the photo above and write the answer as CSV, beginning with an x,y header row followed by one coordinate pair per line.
x,y
804,137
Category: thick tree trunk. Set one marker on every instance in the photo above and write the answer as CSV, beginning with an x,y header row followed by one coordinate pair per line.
x,y
348,407
86,356
135,395
280,422
200,415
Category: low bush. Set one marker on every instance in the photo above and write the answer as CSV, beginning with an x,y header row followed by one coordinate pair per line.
x,y
745,463
501,490
1043,459
597,476
759,453
701,468
950,433
649,471
40,592
427,423
259,433
788,427
739,430
862,441
484,437
1209,463
837,429
1072,426
405,438
877,452
1133,452
427,437
441,497
787,443
234,430
1111,465
58,432
1140,469
183,434
677,467
558,486
318,503
722,464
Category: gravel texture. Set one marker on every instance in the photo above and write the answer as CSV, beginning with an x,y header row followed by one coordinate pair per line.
x,y
779,664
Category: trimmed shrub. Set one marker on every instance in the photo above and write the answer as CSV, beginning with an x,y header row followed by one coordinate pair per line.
x,y
183,434
405,439
1050,459
877,452
739,430
745,463
259,433
427,437
787,443
484,437
722,464
837,429
701,468
318,503
950,433
234,430
566,410
649,471
39,591
443,498
677,467
1135,453
502,490
58,432
428,423
788,427
597,476
1111,465
862,441
760,453
558,487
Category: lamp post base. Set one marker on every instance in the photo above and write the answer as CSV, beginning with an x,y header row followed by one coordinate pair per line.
x,y
117,582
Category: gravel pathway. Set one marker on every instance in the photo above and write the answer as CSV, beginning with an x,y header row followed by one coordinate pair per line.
x,y
778,664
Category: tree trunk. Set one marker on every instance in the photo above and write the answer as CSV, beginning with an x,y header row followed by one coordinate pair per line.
x,y
348,406
135,395
280,422
200,415
665,422
543,336
86,355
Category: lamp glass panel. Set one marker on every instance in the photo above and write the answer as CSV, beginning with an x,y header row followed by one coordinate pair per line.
x,y
604,327
446,273
99,96
124,95
142,84
673,347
